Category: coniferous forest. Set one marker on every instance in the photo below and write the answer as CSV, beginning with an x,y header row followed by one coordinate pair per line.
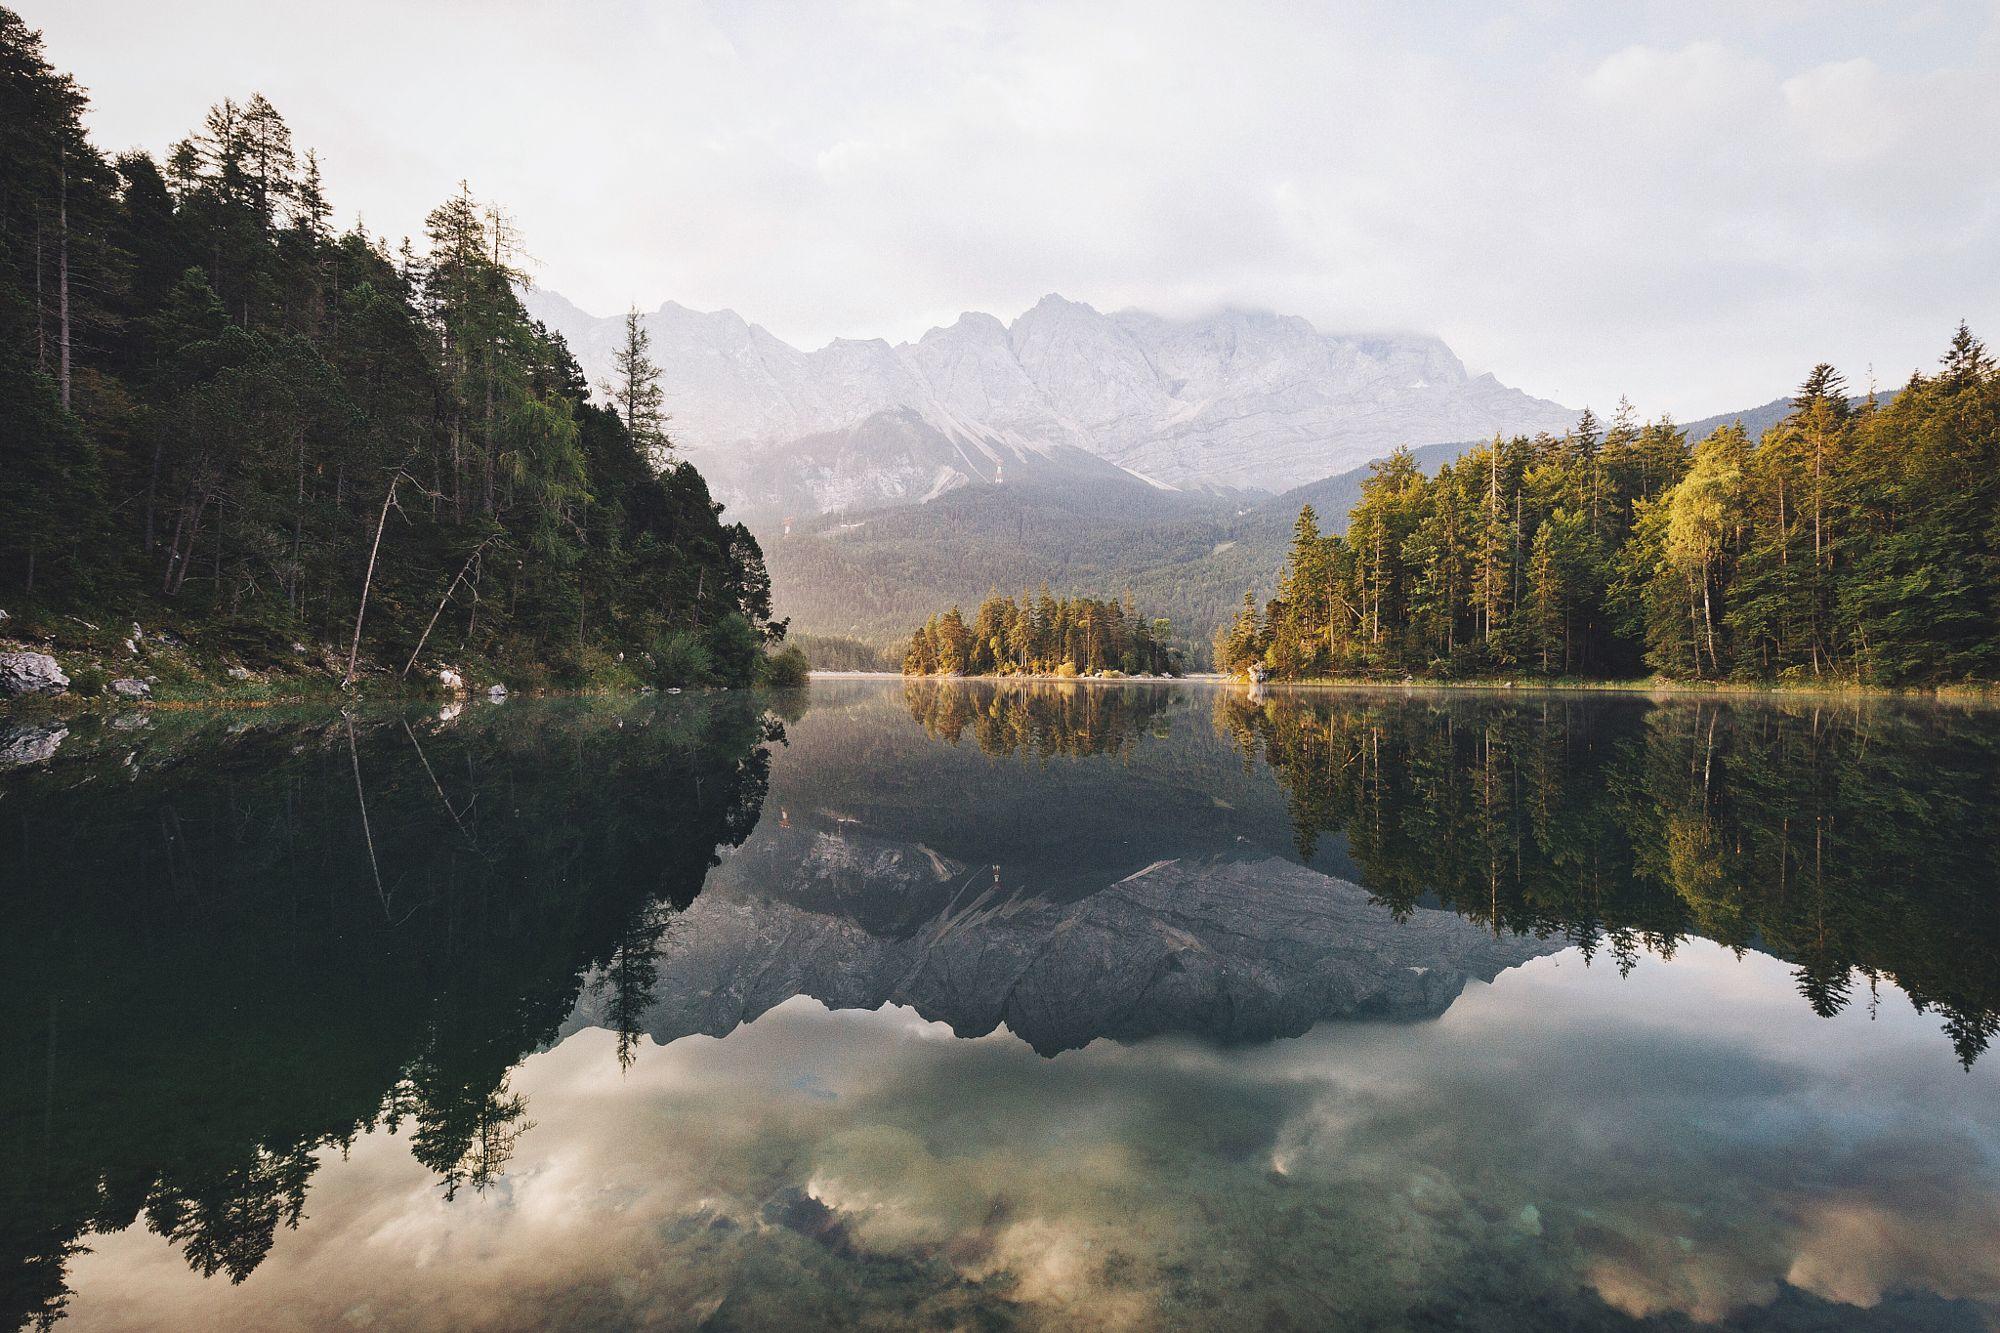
x,y
296,446
1852,542
1042,635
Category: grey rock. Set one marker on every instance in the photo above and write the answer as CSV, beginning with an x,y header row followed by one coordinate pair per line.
x,y
30,673
33,743
128,688
496,692
130,721
1238,398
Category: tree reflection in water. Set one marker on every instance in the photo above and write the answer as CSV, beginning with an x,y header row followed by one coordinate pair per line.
x,y
1849,839
235,944
239,942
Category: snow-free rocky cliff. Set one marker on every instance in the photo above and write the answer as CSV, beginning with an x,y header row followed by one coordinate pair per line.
x,y
1239,399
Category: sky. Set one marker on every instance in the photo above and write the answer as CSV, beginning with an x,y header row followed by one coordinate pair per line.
x,y
1685,203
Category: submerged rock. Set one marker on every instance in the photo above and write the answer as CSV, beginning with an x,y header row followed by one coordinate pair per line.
x,y
30,673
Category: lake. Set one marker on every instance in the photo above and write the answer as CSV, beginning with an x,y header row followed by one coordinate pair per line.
x,y
963,1005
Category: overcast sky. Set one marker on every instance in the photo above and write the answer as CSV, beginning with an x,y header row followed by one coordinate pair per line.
x,y
1685,202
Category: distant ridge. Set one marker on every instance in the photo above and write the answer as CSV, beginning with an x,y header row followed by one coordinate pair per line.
x,y
1237,400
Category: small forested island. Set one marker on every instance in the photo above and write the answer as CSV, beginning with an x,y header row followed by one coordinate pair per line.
x,y
1854,543
242,446
1043,635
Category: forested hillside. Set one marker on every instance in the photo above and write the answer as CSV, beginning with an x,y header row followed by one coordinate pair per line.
x,y
224,417
873,574
1847,543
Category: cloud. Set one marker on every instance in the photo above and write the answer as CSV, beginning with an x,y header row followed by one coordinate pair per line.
x,y
1688,204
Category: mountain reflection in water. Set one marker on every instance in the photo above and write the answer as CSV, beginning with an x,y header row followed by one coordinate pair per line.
x,y
1706,1082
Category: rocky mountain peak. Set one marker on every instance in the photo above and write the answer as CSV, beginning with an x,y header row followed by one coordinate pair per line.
x,y
1240,397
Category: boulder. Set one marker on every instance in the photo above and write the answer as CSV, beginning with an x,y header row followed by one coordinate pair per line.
x,y
496,692
30,673
127,688
451,680
237,673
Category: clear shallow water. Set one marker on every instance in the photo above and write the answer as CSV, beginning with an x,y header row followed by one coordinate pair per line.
x,y
1049,1007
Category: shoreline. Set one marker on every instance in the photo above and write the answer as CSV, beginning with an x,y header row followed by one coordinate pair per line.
x,y
1978,693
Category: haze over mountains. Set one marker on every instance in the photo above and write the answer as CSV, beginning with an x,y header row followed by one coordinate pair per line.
x,y
1236,400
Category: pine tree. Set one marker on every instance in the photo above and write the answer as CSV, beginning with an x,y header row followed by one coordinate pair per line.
x,y
635,389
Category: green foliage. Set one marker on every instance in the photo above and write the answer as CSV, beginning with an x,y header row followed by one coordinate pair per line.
x,y
1845,544
89,682
786,669
680,658
736,649
1042,635
218,412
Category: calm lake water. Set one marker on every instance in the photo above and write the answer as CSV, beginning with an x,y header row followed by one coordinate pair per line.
x,y
978,1006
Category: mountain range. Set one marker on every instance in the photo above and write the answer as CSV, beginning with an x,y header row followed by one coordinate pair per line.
x,y
1097,453
1238,400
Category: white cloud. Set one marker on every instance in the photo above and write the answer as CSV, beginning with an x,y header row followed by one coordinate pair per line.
x,y
1689,204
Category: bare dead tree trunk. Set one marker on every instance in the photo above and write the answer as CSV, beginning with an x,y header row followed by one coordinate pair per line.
x,y
449,588
368,580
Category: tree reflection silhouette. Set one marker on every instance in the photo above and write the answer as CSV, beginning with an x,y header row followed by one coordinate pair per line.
x,y
216,971
1845,839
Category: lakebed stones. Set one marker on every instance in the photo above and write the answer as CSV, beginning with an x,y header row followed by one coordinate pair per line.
x,y
30,673
128,688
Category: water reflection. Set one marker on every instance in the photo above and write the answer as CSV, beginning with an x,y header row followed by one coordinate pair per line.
x,y
1856,841
1602,1013
237,944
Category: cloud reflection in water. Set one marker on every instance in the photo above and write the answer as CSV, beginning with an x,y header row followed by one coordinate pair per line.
x,y
1561,1145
